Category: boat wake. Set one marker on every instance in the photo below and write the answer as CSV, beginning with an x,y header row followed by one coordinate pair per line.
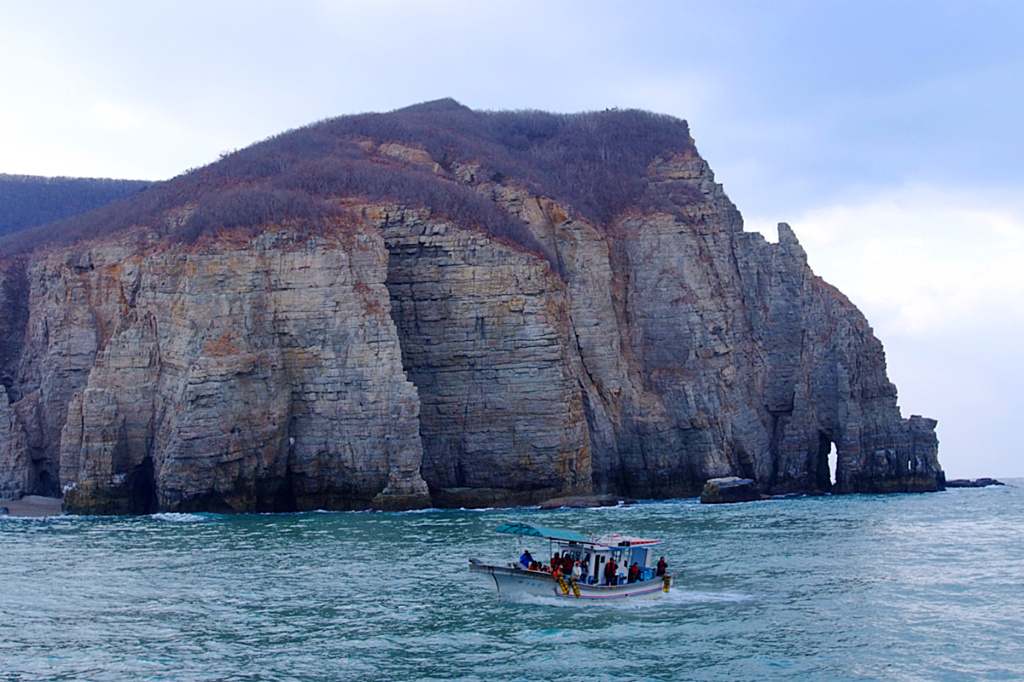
x,y
685,597
675,597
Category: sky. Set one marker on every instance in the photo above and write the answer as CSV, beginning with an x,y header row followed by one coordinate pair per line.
x,y
889,135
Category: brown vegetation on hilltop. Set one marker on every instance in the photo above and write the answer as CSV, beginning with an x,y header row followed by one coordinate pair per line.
x,y
597,163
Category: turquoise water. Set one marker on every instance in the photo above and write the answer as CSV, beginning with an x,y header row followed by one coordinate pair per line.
x,y
900,587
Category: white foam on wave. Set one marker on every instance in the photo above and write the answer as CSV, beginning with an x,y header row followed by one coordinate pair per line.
x,y
675,597
686,597
174,517
537,600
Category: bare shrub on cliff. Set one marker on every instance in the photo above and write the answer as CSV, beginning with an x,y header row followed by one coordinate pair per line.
x,y
377,181
597,163
247,207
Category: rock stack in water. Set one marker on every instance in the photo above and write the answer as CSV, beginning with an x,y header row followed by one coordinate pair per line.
x,y
976,483
437,306
729,489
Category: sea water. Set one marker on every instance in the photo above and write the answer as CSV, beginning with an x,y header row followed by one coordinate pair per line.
x,y
858,587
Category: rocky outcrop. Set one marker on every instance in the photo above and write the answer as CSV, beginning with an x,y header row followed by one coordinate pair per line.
x,y
24,466
485,336
411,355
239,377
705,351
975,483
15,466
728,490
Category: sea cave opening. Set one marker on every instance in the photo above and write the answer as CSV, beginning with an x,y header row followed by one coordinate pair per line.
x,y
828,464
833,465
142,492
45,480
46,486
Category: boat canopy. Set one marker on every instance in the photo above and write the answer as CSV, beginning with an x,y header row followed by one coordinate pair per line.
x,y
616,540
535,531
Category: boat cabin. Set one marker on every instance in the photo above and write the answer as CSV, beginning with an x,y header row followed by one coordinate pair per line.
x,y
592,553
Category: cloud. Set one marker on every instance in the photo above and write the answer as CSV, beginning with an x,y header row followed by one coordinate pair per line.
x,y
921,259
117,116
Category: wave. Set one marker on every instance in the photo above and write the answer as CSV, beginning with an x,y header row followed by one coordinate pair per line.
x,y
686,597
174,517
676,597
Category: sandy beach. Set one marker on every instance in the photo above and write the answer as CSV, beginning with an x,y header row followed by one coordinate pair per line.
x,y
33,505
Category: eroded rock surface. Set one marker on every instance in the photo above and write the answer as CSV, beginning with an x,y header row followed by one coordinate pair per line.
x,y
415,357
975,483
485,336
705,351
241,377
728,490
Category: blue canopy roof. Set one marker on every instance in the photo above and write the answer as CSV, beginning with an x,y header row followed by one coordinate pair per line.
x,y
541,532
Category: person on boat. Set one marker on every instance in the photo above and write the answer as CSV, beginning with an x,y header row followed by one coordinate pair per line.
x,y
567,564
634,573
662,566
577,571
526,559
610,573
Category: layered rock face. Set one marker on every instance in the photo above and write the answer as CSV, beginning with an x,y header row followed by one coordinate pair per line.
x,y
705,351
257,376
417,358
485,334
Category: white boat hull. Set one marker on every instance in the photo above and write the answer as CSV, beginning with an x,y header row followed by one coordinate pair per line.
x,y
516,580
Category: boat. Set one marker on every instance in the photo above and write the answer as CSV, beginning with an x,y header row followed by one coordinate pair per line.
x,y
536,578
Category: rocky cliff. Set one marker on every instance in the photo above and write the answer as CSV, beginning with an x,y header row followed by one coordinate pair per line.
x,y
437,306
